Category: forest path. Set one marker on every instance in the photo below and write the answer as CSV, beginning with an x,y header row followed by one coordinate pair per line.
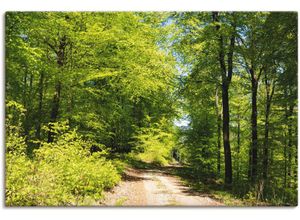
x,y
155,187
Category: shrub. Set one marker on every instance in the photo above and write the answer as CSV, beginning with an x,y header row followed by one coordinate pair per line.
x,y
60,173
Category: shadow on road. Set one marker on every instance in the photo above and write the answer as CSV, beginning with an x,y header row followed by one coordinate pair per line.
x,y
132,176
194,184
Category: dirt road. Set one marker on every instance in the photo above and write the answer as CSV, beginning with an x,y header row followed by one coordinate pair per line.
x,y
154,187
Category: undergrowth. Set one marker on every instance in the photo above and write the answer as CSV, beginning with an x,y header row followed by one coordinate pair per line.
x,y
63,172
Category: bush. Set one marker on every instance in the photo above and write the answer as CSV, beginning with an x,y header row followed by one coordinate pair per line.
x,y
60,173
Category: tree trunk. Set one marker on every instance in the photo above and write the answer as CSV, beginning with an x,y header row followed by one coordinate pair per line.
x,y
296,158
238,142
254,141
56,98
269,96
266,142
219,120
226,73
226,141
55,109
290,142
40,107
289,108
25,123
138,113
285,164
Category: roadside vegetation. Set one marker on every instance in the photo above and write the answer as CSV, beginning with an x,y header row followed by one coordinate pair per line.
x,y
208,96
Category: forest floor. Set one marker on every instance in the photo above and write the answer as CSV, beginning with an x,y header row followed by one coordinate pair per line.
x,y
156,187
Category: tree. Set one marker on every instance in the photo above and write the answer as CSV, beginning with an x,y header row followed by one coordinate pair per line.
x,y
251,52
226,73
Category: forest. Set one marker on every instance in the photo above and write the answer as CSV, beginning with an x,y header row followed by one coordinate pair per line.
x,y
90,94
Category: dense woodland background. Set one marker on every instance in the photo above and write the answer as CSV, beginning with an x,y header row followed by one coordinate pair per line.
x,y
88,94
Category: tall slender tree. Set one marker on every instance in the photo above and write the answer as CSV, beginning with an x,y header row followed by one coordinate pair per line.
x,y
226,72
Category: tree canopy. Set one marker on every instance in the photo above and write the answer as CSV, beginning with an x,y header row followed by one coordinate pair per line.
x,y
87,92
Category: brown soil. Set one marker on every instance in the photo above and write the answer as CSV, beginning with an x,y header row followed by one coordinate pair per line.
x,y
154,188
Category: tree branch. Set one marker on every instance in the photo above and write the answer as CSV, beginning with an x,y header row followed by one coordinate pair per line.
x,y
51,46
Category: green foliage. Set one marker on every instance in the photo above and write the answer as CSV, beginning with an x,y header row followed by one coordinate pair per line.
x,y
115,82
264,50
61,173
154,143
15,143
111,67
198,146
87,80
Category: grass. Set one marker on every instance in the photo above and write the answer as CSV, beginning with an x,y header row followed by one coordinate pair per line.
x,y
173,202
121,201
